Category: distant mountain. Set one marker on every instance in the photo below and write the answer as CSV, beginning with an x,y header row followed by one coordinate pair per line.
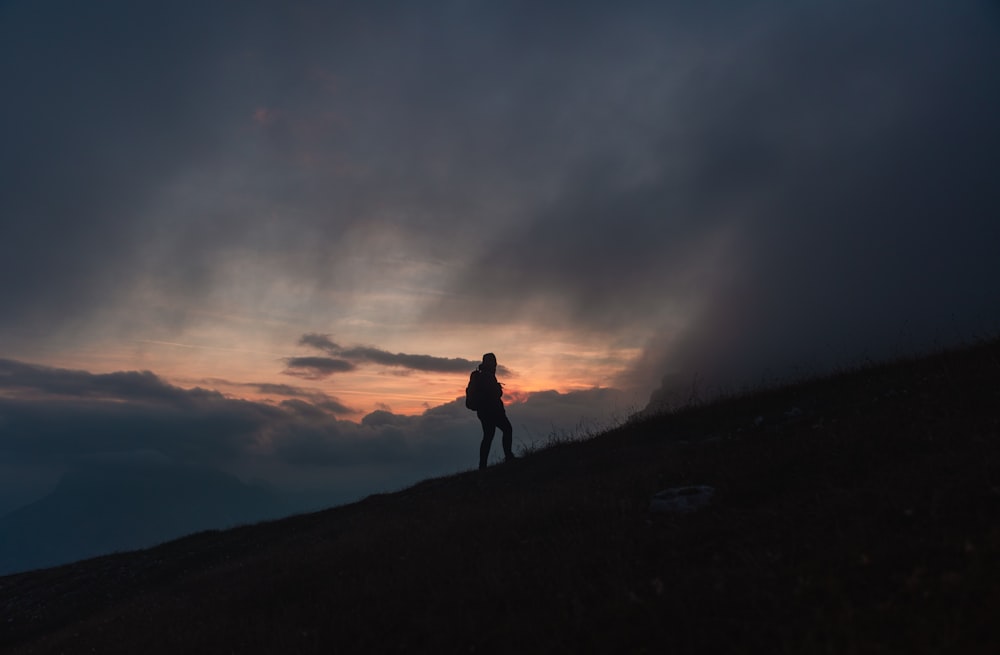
x,y
109,507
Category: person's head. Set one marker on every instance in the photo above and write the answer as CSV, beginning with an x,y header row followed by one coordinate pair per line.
x,y
489,362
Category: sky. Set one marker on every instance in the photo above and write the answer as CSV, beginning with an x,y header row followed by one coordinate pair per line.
x,y
272,238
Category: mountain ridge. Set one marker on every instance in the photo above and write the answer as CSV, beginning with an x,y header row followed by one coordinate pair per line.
x,y
112,507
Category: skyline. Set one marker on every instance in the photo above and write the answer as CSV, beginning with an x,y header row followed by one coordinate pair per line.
x,y
305,222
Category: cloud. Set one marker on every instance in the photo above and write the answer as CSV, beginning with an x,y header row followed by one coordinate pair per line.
x,y
730,189
320,399
59,419
316,368
79,175
446,435
629,172
81,434
56,415
370,354
320,342
427,363
138,386
813,191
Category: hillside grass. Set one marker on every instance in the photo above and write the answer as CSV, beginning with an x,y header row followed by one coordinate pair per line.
x,y
859,513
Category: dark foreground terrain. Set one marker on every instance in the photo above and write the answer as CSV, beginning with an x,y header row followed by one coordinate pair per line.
x,y
858,513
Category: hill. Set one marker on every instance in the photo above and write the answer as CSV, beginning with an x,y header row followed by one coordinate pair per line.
x,y
854,513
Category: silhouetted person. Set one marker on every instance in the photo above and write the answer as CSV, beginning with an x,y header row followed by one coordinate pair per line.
x,y
487,394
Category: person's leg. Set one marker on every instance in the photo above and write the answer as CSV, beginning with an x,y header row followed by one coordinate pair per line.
x,y
508,436
489,429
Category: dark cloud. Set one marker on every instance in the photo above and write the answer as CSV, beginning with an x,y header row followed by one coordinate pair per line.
x,y
46,417
95,436
34,381
864,233
316,368
320,342
360,354
314,397
153,145
444,437
551,415
606,168
427,363
818,189
580,164
112,103
64,422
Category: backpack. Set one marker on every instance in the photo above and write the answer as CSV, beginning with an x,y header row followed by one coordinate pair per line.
x,y
472,392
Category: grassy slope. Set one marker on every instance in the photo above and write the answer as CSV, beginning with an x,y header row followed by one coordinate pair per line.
x,y
870,523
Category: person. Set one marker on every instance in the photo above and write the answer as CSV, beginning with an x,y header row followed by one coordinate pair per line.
x,y
490,410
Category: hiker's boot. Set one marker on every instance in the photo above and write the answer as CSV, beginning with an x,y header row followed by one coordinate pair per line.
x,y
508,447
